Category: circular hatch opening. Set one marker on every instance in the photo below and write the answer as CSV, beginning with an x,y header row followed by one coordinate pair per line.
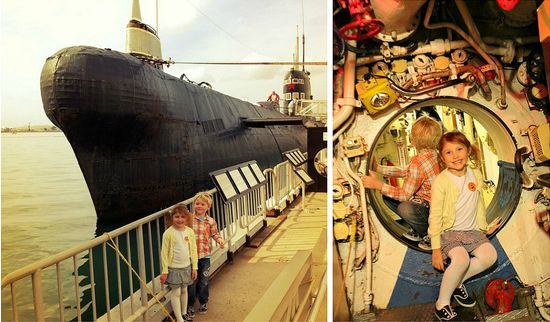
x,y
502,185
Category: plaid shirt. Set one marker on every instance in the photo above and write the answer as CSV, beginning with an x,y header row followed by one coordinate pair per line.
x,y
419,176
205,228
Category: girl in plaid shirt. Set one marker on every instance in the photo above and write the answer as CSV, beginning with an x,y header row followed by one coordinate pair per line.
x,y
411,201
205,227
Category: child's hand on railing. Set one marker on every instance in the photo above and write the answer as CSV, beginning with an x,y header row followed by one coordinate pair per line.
x,y
222,245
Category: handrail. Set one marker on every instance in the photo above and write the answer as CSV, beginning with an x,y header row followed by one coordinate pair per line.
x,y
285,298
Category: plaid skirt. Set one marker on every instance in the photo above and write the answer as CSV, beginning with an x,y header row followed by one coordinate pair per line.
x,y
469,239
178,277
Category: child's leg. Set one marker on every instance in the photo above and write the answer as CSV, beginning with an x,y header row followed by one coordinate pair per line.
x,y
183,300
391,203
191,289
460,260
416,215
203,277
483,257
175,295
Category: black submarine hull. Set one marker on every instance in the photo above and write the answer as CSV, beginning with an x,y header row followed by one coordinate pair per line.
x,y
146,140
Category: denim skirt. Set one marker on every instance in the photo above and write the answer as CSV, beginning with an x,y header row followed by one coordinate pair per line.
x,y
178,277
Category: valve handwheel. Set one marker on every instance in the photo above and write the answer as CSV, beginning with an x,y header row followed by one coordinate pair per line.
x,y
365,26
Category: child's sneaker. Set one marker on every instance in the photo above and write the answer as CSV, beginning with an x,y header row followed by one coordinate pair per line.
x,y
203,309
187,318
412,235
445,314
425,243
461,296
191,312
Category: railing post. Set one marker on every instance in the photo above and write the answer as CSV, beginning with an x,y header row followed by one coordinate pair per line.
x,y
142,272
37,296
303,195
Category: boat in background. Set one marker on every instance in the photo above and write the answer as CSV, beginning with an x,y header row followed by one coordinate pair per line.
x,y
145,139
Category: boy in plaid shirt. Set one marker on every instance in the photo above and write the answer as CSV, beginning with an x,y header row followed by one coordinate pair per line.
x,y
412,201
205,227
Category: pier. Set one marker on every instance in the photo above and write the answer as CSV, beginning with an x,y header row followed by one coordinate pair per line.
x,y
272,268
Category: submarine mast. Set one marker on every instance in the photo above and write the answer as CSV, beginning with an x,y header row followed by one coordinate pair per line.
x,y
142,40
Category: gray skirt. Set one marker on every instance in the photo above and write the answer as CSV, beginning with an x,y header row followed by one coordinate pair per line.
x,y
469,239
178,277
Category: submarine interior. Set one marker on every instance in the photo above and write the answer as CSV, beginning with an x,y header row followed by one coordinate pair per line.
x,y
479,67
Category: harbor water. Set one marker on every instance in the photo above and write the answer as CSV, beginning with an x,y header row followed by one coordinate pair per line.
x,y
46,206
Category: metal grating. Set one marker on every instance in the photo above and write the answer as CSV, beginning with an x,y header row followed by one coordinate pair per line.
x,y
516,315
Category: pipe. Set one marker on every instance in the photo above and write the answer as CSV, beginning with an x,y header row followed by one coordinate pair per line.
x,y
478,74
368,295
435,47
423,91
465,13
338,90
343,128
539,302
348,103
469,21
502,104
490,60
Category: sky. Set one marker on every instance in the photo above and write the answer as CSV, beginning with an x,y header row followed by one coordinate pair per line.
x,y
190,30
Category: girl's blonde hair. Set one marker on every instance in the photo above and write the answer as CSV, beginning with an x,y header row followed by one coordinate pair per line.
x,y
425,133
204,195
458,137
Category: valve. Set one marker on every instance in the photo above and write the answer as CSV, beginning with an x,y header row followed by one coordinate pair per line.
x,y
499,295
365,26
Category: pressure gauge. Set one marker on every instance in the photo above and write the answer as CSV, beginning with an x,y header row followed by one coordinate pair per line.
x,y
522,75
537,95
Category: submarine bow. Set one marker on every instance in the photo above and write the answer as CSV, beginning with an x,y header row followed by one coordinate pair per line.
x,y
146,140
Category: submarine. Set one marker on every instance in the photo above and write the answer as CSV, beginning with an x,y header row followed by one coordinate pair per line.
x,y
479,67
144,139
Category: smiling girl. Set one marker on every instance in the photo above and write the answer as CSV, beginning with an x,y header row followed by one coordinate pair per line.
x,y
179,260
457,223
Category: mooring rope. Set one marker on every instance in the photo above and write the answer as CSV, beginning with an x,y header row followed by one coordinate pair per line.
x,y
117,250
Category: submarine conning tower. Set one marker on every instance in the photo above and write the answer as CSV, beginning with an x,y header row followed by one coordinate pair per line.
x,y
142,40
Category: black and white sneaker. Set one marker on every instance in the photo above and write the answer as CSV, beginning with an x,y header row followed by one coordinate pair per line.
x,y
445,314
412,235
187,318
461,296
203,309
191,312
